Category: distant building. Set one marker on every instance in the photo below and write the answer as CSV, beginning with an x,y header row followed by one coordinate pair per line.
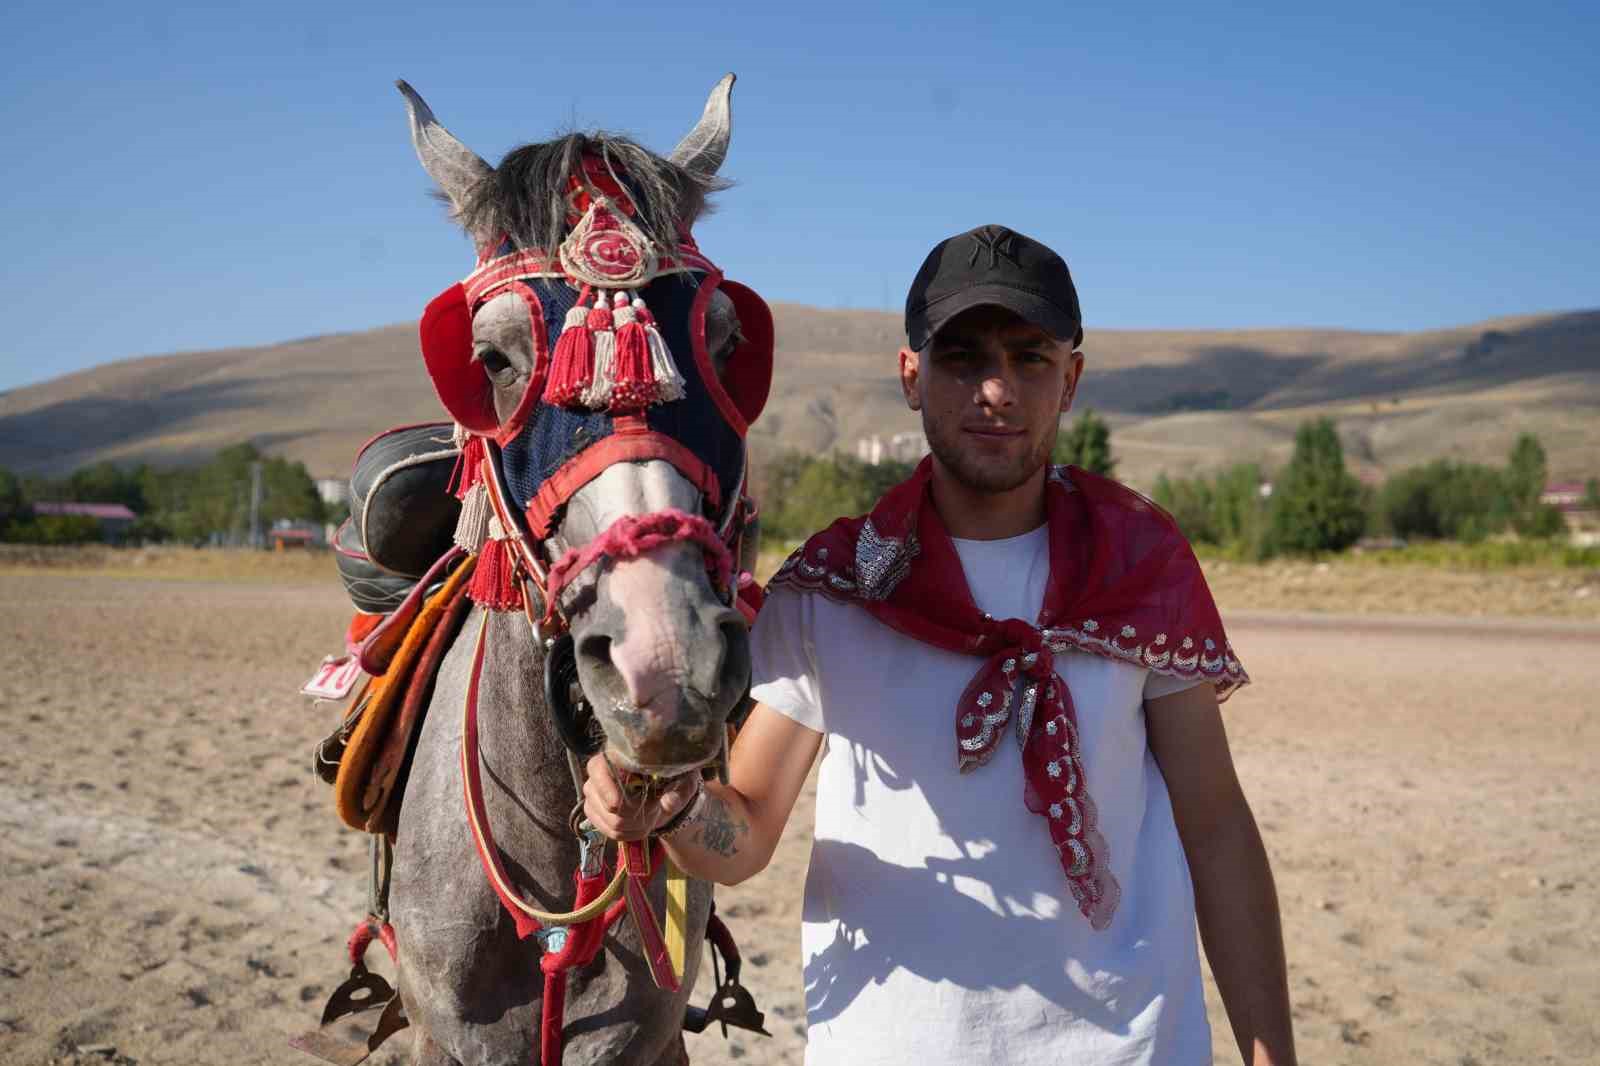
x,y
908,447
333,490
286,534
114,518
1566,495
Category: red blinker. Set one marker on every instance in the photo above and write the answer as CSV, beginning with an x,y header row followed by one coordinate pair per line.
x,y
445,333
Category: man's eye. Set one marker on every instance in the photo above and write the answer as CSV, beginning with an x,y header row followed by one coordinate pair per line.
x,y
494,361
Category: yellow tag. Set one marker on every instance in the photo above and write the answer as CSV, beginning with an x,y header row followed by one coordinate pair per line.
x,y
677,917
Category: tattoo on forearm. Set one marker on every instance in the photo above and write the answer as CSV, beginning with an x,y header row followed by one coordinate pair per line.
x,y
720,828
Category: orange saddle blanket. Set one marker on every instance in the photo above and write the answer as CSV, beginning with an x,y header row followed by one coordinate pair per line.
x,y
389,708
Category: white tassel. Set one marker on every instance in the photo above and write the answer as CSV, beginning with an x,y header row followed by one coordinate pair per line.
x,y
472,528
669,383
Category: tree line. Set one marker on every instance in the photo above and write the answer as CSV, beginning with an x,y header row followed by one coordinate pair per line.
x,y
186,504
1313,505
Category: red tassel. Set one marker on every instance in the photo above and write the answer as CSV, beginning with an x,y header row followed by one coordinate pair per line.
x,y
633,382
572,363
469,467
493,584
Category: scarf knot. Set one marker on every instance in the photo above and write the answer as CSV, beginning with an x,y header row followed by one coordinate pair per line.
x,y
1020,675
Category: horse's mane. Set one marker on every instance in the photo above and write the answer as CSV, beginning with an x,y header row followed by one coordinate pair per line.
x,y
525,197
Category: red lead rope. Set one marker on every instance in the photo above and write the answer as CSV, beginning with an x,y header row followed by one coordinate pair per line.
x,y
584,937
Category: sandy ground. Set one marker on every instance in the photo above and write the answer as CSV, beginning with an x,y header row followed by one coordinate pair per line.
x,y
175,889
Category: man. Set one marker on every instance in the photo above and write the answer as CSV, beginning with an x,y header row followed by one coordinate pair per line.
x,y
970,899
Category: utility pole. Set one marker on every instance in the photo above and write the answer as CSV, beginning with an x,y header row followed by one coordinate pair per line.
x,y
256,539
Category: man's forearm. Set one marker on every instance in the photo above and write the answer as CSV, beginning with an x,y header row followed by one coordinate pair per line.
x,y
720,840
1237,907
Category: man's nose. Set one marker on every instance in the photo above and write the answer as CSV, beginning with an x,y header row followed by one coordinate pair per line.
x,y
997,389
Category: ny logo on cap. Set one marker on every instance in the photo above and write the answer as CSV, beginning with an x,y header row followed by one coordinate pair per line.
x,y
997,241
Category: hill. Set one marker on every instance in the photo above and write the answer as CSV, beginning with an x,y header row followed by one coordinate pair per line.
x,y
1179,401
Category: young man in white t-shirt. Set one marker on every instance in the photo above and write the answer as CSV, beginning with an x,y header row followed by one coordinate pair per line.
x,y
967,902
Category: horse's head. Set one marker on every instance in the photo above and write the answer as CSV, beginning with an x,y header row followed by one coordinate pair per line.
x,y
607,375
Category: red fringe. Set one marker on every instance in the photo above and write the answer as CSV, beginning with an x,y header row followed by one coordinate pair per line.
x,y
493,584
468,469
634,383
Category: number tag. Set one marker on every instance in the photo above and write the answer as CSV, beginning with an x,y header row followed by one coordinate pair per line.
x,y
334,678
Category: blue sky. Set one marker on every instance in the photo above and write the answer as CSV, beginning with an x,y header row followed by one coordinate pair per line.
x,y
181,177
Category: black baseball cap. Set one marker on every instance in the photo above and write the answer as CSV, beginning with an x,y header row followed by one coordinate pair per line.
x,y
993,265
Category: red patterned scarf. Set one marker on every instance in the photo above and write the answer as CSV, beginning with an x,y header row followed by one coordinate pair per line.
x,y
1124,584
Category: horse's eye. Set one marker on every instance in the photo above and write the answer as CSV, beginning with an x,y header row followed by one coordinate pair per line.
x,y
494,361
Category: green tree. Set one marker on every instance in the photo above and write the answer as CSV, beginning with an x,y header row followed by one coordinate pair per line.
x,y
105,482
1526,474
1316,505
1591,494
11,498
1189,502
811,492
53,529
1444,499
1238,510
1087,443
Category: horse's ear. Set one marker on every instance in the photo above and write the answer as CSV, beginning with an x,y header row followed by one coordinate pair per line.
x,y
703,148
456,168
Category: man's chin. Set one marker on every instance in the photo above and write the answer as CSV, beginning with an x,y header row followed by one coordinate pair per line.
x,y
991,478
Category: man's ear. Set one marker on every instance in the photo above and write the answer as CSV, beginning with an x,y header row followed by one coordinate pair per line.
x,y
1074,371
910,376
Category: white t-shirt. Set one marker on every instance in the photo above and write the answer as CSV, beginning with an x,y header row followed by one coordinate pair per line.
x,y
938,926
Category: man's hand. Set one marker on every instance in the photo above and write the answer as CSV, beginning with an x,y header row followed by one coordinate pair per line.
x,y
611,812
731,833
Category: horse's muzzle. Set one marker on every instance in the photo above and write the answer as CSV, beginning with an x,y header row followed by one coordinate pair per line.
x,y
663,695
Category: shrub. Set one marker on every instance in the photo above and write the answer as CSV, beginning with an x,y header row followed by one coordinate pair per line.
x,y
1226,512
53,529
805,494
1086,443
1316,504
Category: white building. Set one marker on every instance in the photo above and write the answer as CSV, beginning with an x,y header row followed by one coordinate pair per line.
x,y
333,490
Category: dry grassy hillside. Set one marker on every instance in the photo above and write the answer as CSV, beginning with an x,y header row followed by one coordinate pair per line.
x,y
1178,400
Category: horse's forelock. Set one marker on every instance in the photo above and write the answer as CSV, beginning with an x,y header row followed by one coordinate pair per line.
x,y
525,197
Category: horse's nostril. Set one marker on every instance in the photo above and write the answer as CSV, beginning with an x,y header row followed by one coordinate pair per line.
x,y
595,651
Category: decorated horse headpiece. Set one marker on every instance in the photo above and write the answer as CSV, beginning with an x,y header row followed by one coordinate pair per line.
x,y
621,373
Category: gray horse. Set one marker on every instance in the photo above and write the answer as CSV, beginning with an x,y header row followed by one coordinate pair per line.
x,y
661,658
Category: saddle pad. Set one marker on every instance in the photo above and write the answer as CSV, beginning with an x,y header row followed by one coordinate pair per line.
x,y
384,639
361,806
386,780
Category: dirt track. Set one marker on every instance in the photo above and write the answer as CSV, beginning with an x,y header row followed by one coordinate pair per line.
x,y
174,885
